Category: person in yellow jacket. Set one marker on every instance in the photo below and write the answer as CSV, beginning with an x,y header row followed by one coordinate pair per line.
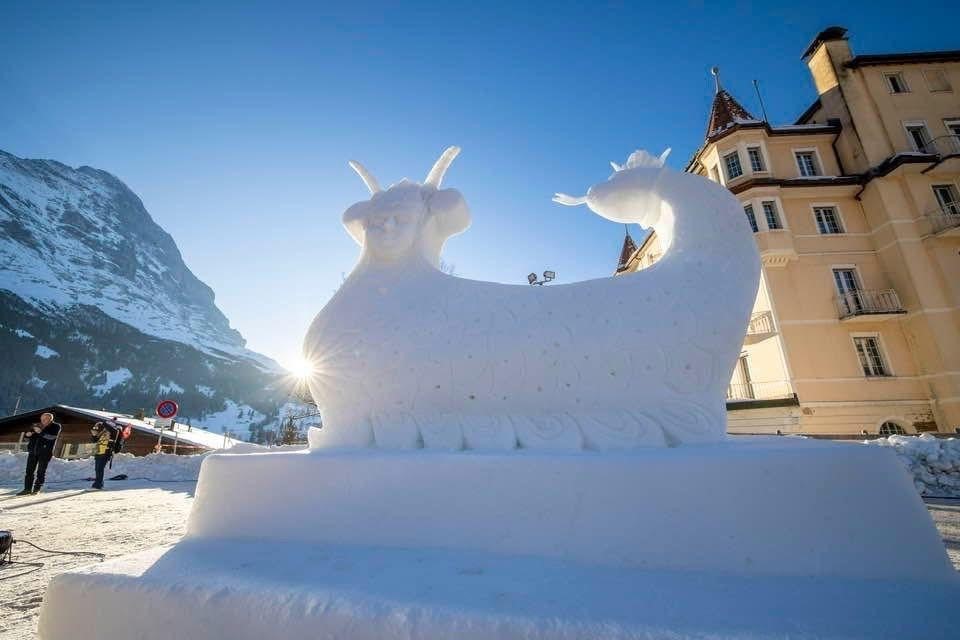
x,y
103,435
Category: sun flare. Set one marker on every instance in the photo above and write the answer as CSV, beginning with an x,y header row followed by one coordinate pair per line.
x,y
300,367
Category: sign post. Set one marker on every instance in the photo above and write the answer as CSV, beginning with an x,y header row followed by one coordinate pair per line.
x,y
166,410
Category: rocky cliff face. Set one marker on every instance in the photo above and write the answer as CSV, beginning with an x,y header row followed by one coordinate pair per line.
x,y
97,307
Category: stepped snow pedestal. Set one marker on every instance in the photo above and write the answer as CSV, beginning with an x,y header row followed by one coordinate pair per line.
x,y
512,462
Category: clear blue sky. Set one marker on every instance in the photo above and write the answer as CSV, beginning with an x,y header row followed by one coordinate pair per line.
x,y
234,121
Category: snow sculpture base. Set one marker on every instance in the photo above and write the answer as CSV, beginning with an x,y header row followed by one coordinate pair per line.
x,y
751,538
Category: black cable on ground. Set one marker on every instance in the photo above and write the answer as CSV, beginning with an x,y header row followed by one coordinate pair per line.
x,y
62,553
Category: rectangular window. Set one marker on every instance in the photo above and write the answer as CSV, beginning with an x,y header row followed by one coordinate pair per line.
x,y
732,162
846,280
951,144
895,83
848,290
751,217
807,163
947,198
756,159
937,80
771,214
871,360
828,220
918,137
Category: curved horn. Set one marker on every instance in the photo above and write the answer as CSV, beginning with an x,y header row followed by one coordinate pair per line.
x,y
569,201
435,177
366,176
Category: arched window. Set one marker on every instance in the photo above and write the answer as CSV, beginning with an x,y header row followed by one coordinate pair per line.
x,y
890,428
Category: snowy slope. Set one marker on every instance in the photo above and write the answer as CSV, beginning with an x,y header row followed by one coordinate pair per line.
x,y
98,308
81,236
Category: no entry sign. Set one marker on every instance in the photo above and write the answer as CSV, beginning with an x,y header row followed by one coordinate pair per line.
x,y
167,409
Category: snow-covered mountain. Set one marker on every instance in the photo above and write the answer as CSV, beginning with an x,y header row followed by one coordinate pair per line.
x,y
97,307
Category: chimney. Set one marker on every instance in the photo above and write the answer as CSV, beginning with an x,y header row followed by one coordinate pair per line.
x,y
825,57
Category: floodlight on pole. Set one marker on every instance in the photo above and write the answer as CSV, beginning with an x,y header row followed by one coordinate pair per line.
x,y
534,279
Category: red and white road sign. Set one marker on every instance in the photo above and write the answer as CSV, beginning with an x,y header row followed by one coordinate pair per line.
x,y
167,409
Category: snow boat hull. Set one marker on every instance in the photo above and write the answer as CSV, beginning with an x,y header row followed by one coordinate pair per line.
x,y
749,538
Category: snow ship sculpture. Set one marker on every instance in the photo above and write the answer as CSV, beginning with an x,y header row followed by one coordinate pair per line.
x,y
436,503
406,356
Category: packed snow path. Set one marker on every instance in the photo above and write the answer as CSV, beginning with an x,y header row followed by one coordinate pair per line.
x,y
133,516
129,516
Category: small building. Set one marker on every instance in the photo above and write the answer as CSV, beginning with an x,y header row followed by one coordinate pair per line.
x,y
75,442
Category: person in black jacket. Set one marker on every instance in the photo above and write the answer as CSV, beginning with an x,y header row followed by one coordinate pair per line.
x,y
41,440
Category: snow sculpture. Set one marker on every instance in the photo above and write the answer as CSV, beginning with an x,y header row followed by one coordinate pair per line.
x,y
407,356
401,544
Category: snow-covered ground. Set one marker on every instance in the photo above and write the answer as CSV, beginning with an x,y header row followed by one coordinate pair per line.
x,y
128,517
135,515
933,462
163,467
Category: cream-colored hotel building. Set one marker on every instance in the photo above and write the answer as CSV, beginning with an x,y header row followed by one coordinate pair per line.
x,y
856,212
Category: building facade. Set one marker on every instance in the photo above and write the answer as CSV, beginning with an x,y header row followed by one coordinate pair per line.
x,y
855,209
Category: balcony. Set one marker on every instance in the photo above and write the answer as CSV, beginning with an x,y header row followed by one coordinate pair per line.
x,y
760,327
945,219
760,391
869,305
943,146
946,153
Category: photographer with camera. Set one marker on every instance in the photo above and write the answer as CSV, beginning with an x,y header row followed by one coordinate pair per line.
x,y
41,440
104,434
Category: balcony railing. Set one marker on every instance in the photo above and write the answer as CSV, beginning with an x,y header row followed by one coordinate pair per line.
x,y
943,146
775,390
761,323
868,302
943,217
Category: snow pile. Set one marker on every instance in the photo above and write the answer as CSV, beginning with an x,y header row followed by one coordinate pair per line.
x,y
933,462
164,467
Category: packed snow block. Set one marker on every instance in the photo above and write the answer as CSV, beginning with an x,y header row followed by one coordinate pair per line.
x,y
250,590
765,506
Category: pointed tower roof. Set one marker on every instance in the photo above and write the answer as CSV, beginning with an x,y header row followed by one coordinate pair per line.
x,y
629,248
725,111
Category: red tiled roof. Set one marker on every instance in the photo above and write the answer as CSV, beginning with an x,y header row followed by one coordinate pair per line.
x,y
725,113
629,248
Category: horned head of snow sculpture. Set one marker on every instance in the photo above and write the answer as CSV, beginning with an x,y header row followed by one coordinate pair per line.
x,y
408,221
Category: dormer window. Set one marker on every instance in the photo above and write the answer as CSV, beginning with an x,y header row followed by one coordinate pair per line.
x,y
756,159
896,83
807,163
731,162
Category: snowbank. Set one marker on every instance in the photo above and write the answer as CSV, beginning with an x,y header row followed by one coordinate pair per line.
x,y
162,467
933,462
157,466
